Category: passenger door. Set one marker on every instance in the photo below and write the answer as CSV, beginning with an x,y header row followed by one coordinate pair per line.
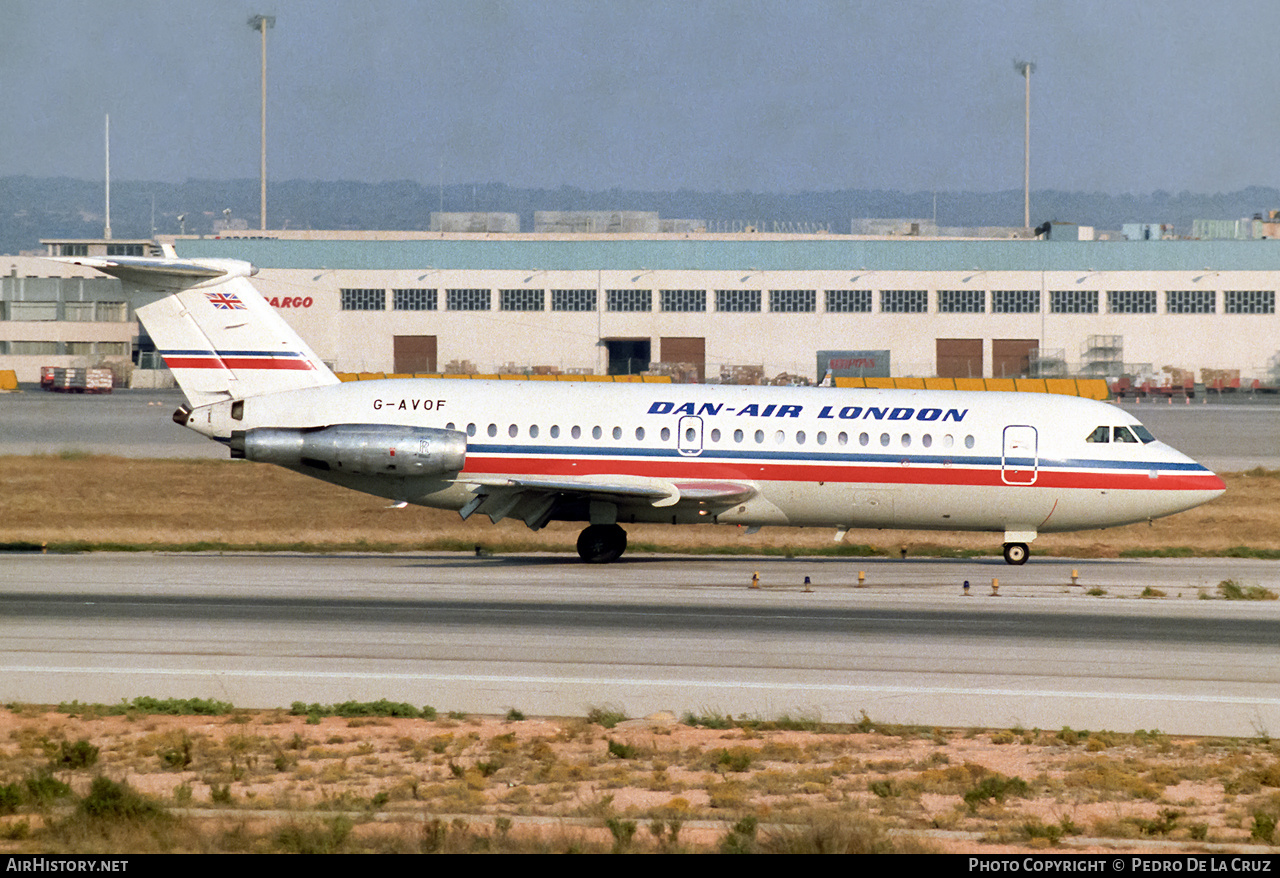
x,y
1020,460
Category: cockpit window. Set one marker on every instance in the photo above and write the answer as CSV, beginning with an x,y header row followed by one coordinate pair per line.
x,y
1100,434
1123,435
1143,433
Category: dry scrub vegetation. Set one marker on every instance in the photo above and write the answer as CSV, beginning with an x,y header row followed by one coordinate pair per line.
x,y
86,502
114,780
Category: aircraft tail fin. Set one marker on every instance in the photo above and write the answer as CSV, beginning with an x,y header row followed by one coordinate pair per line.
x,y
217,334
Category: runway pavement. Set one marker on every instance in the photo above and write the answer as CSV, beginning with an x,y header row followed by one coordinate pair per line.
x,y
550,636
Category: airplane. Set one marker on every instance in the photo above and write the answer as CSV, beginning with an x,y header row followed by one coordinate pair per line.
x,y
610,454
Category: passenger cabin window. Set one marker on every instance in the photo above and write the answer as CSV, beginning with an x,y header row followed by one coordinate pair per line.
x,y
1100,434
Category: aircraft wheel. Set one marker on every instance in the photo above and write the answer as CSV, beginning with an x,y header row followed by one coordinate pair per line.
x,y
602,543
1016,553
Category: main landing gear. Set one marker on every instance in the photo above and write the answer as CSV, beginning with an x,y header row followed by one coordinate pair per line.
x,y
1016,553
602,543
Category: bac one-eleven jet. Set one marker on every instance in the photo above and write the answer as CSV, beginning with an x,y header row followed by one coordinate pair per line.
x,y
1014,464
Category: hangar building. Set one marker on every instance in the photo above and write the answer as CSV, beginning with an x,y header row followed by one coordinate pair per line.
x,y
710,306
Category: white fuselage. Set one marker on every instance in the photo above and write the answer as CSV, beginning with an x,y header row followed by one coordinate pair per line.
x,y
1013,462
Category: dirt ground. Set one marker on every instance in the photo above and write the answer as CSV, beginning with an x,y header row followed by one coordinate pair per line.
x,y
272,781
102,501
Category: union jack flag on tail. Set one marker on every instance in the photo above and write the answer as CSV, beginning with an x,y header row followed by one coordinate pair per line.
x,y
225,301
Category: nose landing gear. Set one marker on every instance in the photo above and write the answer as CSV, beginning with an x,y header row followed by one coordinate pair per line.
x,y
1016,553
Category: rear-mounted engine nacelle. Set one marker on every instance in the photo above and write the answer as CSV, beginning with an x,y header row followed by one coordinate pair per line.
x,y
361,449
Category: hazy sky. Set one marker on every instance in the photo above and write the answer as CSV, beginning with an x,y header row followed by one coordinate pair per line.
x,y
764,95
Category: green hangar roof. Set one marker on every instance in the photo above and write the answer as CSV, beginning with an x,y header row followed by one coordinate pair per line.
x,y
762,254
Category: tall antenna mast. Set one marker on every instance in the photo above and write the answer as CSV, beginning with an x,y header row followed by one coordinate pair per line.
x,y
106,229
261,23
1026,68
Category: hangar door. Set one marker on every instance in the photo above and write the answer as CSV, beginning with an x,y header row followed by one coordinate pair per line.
x,y
627,356
1011,357
689,350
414,353
959,357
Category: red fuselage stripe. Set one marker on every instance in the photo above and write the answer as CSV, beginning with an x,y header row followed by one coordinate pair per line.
x,y
854,474
236,363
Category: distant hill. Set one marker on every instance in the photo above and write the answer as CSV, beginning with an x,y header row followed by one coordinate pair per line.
x,y
32,208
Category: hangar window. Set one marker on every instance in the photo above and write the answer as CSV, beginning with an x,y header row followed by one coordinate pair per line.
x,y
1073,301
415,300
573,300
904,301
962,301
1191,301
77,312
1015,301
33,348
737,301
110,312
1131,301
793,301
1249,302
363,300
849,301
522,300
468,300
630,300
684,300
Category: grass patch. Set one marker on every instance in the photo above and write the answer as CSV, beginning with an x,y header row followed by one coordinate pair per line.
x,y
1234,591
147,705
352,709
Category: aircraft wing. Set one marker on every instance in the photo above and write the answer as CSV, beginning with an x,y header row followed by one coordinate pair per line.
x,y
534,499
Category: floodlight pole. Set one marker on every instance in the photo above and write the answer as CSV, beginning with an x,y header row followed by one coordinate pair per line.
x,y
1026,68
261,23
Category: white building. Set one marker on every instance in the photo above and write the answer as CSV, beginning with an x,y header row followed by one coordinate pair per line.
x,y
421,302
